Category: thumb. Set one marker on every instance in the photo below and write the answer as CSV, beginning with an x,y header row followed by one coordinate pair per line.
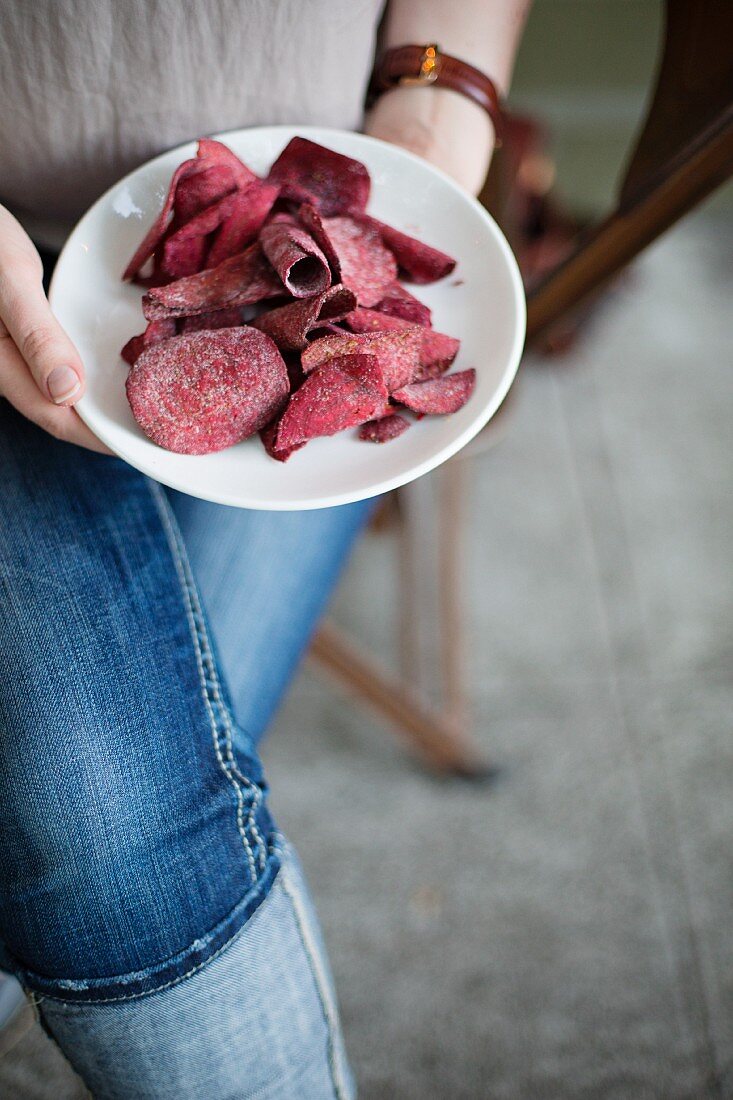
x,y
48,352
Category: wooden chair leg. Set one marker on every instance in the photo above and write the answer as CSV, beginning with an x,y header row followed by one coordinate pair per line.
x,y
441,746
451,523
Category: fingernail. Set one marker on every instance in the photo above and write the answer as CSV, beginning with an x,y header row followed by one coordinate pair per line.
x,y
63,383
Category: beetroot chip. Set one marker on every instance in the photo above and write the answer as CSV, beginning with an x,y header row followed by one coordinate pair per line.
x,y
398,302
384,429
367,267
438,395
154,235
184,250
202,188
398,353
419,262
299,262
342,393
220,318
154,333
243,221
202,392
289,325
312,222
437,350
211,150
239,281
268,436
329,181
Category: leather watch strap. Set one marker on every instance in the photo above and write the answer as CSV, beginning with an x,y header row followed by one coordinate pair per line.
x,y
422,66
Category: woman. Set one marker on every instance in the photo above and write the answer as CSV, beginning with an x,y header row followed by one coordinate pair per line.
x,y
148,903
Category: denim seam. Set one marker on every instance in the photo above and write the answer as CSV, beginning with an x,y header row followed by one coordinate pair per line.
x,y
79,1006
204,656
328,1007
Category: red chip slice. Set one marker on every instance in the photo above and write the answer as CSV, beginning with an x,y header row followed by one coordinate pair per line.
x,y
154,333
199,189
312,222
220,318
289,325
398,302
243,222
268,436
202,392
384,429
419,262
367,267
340,394
213,150
398,353
238,281
299,262
437,350
184,250
331,182
154,235
438,395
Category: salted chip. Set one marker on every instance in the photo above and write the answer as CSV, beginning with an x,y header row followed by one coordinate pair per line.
x,y
238,281
289,325
268,436
297,259
184,250
243,221
220,318
210,149
155,234
437,350
384,429
199,189
312,222
154,333
398,353
329,181
419,262
199,393
438,395
366,266
342,393
398,302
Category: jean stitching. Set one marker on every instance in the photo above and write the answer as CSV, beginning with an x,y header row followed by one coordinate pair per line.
x,y
319,979
80,1006
196,633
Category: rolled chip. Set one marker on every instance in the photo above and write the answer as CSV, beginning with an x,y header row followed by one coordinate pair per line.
x,y
438,395
312,222
419,262
329,181
297,259
199,393
240,280
343,393
290,324
398,353
384,429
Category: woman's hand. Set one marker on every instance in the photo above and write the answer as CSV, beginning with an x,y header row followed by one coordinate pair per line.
x,y
41,373
445,128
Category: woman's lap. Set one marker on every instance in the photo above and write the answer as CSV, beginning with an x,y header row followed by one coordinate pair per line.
x,y
135,841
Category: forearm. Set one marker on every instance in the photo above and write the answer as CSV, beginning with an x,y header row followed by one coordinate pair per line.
x,y
444,127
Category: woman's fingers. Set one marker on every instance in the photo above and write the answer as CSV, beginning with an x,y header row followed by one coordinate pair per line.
x,y
20,389
46,349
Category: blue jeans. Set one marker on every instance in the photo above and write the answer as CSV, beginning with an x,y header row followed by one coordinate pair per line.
x,y
148,901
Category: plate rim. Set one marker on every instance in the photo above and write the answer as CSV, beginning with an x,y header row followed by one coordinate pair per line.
x,y
444,453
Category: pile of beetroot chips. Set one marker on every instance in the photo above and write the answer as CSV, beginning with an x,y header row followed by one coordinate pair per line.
x,y
273,306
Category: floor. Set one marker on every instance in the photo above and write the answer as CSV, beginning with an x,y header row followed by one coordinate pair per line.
x,y
563,932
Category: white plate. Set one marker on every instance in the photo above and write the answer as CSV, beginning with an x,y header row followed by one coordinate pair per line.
x,y
482,303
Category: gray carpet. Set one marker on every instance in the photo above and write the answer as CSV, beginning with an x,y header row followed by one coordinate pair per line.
x,y
563,933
